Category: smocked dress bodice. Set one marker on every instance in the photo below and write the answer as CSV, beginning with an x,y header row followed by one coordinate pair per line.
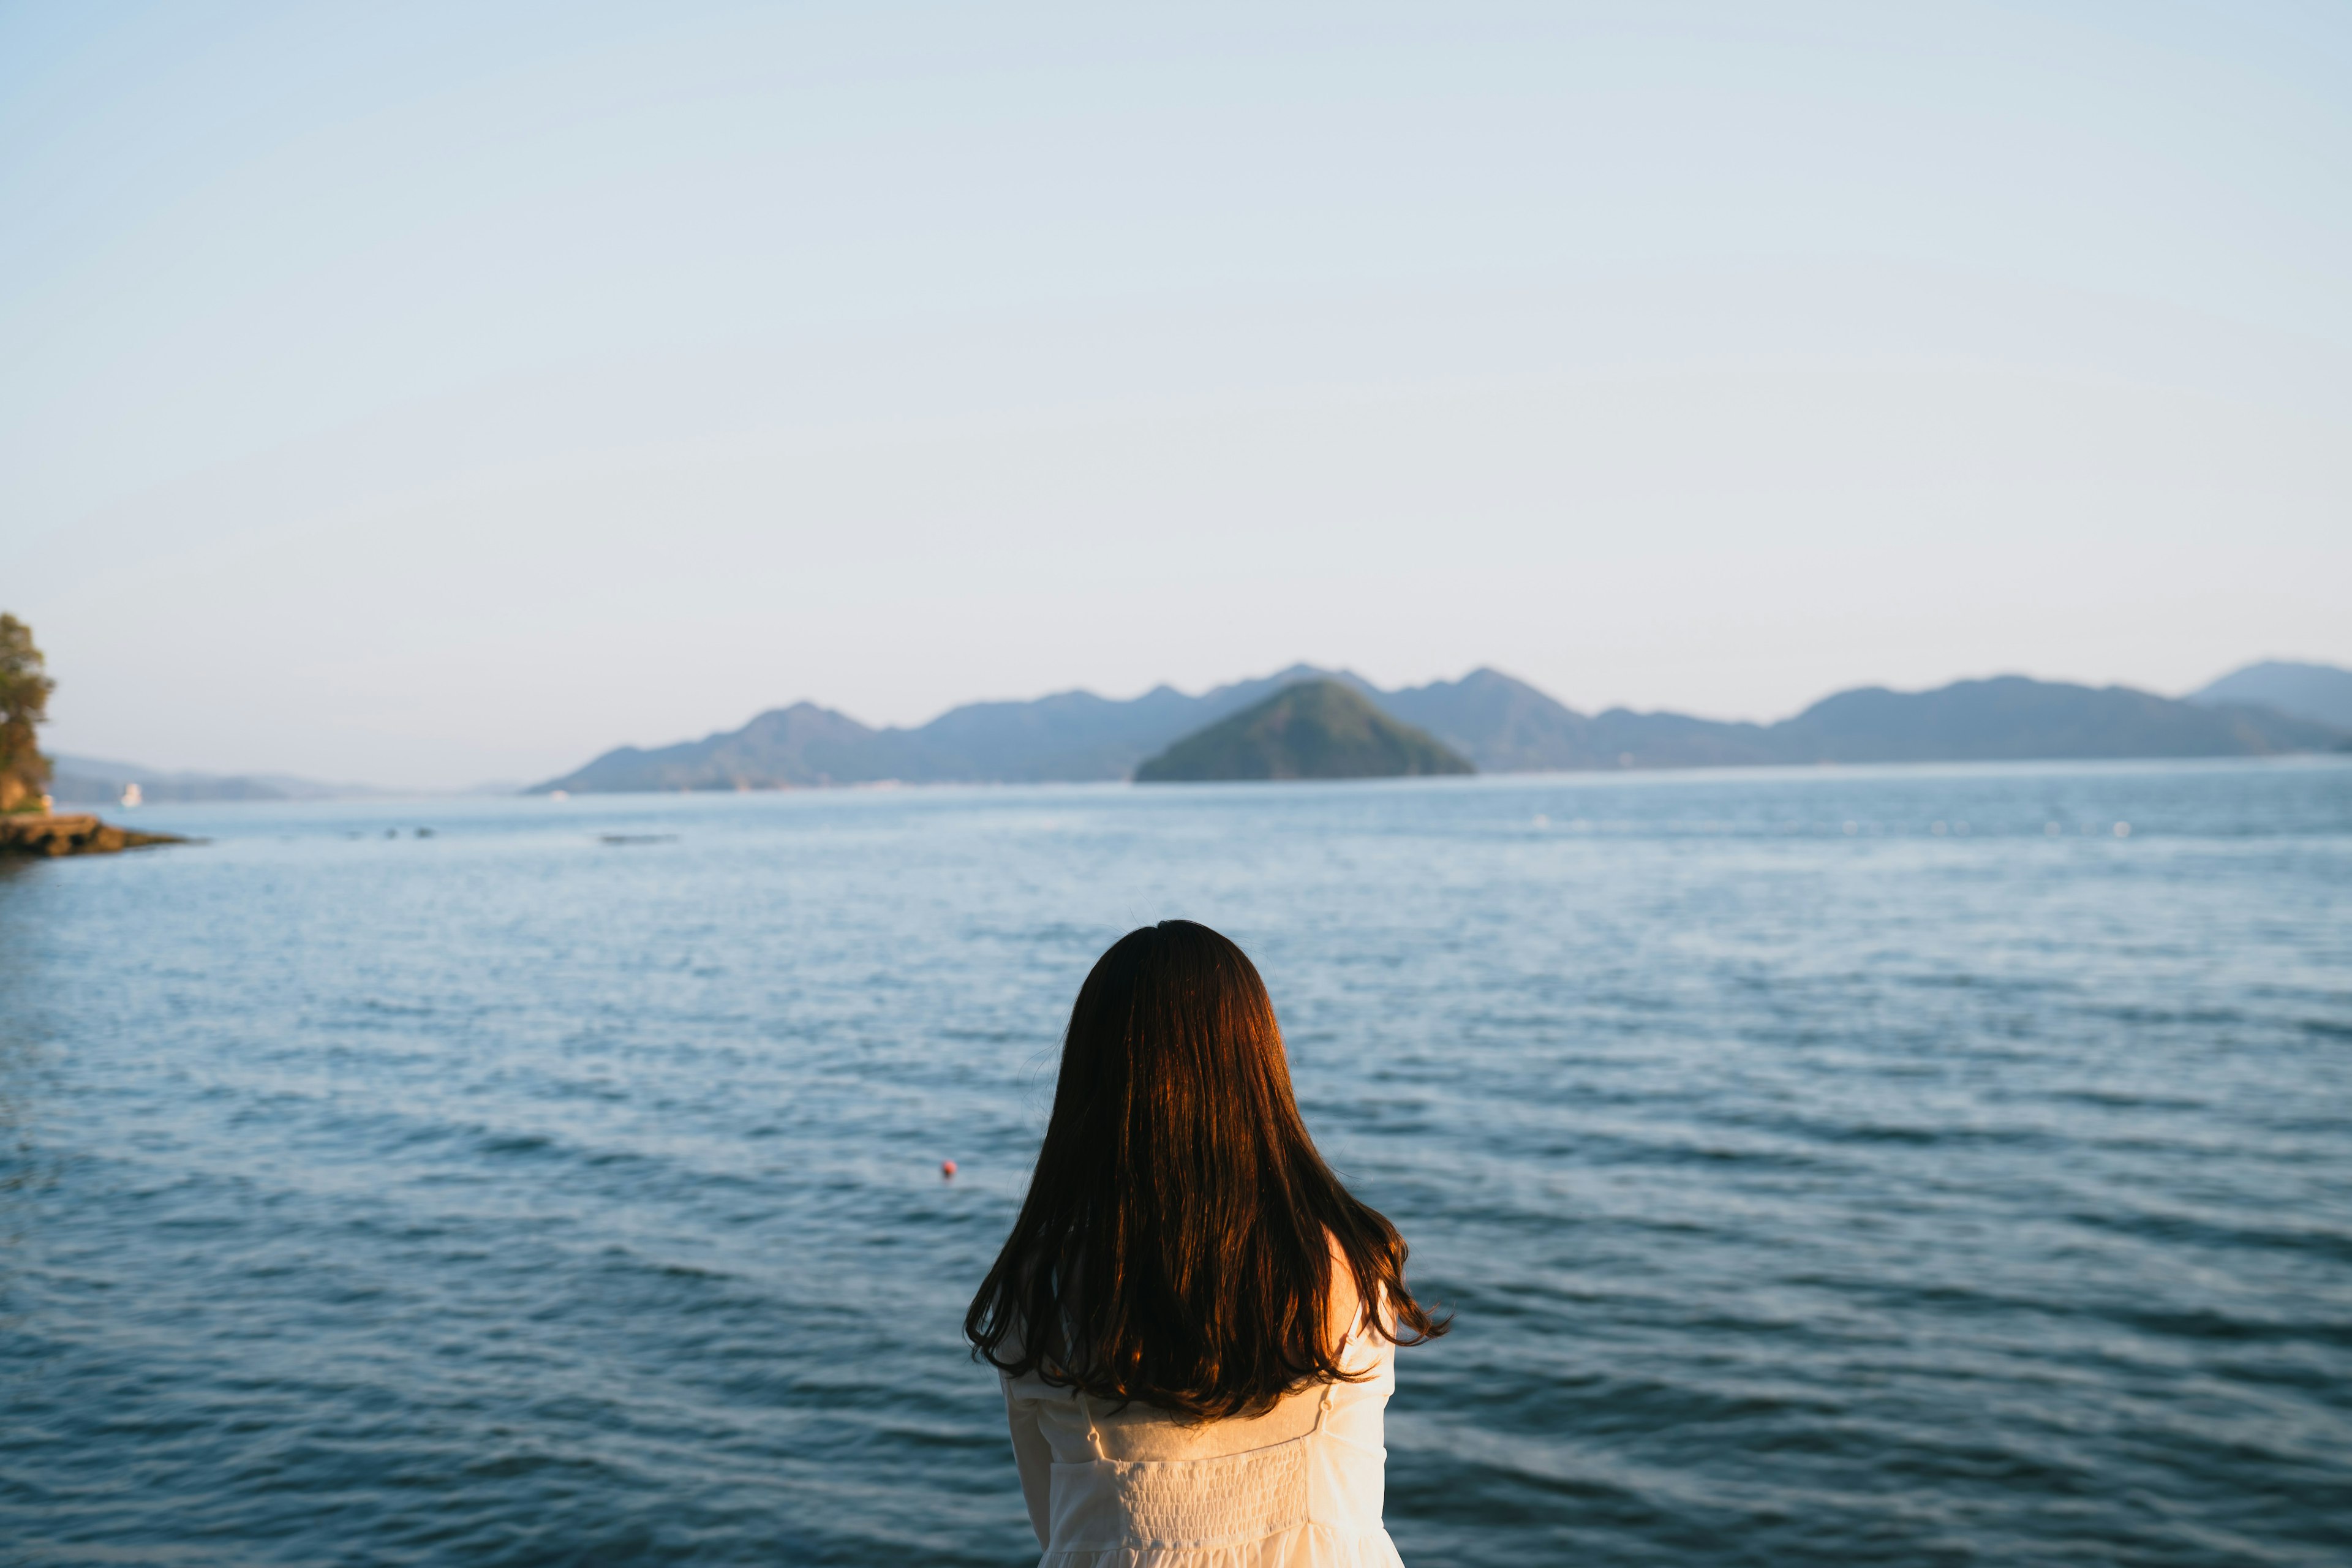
x,y
1300,1487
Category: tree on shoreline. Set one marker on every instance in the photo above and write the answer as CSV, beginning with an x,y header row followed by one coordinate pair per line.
x,y
24,688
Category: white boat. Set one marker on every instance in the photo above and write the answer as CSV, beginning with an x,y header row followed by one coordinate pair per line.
x,y
130,795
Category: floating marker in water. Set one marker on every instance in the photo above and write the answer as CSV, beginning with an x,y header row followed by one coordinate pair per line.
x,y
946,1170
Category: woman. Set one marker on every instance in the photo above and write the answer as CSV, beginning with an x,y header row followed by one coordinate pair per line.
x,y
1195,1324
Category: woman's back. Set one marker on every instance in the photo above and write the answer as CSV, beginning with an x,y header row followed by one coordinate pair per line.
x,y
1297,1487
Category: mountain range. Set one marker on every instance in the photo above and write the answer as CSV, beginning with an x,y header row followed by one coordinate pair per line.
x,y
1499,723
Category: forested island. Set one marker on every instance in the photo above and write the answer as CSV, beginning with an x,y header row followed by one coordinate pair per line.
x,y
1315,730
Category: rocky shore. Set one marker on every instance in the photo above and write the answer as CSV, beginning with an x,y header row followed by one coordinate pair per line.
x,y
72,834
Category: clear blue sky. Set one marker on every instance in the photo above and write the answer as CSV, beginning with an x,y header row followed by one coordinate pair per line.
x,y
443,392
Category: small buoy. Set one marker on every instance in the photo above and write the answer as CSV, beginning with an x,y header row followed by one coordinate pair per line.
x,y
946,1170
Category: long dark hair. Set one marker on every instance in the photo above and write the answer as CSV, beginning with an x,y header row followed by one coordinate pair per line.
x,y
1177,1240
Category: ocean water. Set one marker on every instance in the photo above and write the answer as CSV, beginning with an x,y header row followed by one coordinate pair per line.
x,y
1862,1167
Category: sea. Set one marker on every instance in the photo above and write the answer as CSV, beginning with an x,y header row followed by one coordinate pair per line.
x,y
1921,1165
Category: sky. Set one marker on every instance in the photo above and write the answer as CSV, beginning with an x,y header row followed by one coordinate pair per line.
x,y
436,394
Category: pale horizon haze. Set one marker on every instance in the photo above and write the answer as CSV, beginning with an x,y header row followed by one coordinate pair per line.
x,y
449,393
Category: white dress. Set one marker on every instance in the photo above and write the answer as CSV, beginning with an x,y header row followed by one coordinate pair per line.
x,y
1298,1487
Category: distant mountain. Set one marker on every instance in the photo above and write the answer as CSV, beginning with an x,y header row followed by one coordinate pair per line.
x,y
2011,718
795,747
1505,725
1499,723
88,781
2319,692
1315,730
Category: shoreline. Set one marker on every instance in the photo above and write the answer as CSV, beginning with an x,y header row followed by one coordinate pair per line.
x,y
56,834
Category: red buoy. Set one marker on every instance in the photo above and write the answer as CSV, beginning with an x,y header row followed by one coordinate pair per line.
x,y
946,1170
